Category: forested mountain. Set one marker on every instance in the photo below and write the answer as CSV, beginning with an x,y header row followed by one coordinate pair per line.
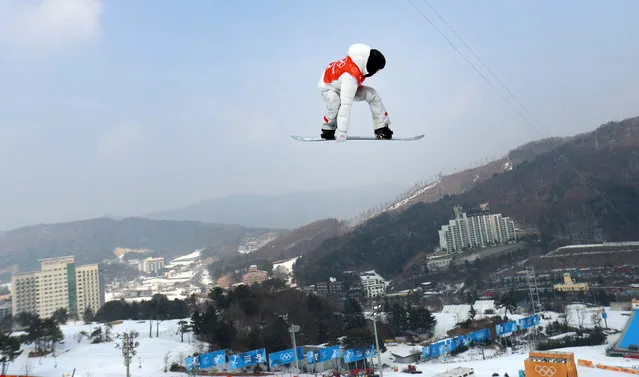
x,y
292,244
289,210
583,188
91,241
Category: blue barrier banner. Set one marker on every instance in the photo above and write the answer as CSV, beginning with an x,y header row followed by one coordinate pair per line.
x,y
241,360
330,353
462,340
211,359
480,336
285,357
323,354
356,354
437,349
236,361
505,328
191,362
447,345
528,322
425,352
451,345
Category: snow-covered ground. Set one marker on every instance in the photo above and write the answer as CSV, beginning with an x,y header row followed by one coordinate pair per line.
x,y
287,267
104,360
512,363
251,244
413,196
185,260
287,264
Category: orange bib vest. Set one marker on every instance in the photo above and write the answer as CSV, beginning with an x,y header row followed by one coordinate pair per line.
x,y
336,69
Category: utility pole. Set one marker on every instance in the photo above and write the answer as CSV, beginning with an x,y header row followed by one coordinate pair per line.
x,y
293,329
535,302
128,347
379,353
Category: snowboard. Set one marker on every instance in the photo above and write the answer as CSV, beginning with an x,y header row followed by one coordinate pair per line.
x,y
370,138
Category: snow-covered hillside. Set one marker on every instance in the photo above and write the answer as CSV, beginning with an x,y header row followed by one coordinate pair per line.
x,y
434,188
287,265
104,360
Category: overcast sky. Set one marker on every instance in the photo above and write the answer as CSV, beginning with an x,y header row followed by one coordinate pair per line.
x,y
124,107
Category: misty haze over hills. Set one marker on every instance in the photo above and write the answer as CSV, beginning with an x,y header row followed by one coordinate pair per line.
x,y
289,210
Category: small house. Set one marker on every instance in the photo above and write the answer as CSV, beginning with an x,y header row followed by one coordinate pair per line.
x,y
406,355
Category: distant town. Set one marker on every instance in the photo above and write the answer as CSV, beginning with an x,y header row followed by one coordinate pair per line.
x,y
470,234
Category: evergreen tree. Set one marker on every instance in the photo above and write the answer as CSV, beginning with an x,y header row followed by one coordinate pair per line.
x,y
88,316
276,336
508,302
9,351
358,337
6,324
353,313
398,318
183,327
472,312
425,321
60,316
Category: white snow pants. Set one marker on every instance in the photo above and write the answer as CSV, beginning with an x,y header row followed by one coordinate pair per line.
x,y
364,93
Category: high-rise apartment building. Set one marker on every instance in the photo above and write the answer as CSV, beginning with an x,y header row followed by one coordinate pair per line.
x,y
152,265
476,228
149,265
58,284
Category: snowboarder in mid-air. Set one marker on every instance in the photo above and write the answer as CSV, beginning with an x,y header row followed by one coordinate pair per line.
x,y
341,84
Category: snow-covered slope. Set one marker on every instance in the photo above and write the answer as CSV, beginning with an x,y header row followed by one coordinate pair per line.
x,y
104,360
435,188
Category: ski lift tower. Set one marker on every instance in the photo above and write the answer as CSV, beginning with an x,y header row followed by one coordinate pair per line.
x,y
535,302
293,329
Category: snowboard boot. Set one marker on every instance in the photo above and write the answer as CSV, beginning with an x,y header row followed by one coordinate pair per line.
x,y
384,133
328,134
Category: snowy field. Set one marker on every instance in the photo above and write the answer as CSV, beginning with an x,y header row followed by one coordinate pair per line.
x,y
104,360
287,264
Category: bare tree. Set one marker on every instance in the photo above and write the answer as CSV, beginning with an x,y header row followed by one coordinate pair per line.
x,y
167,359
596,320
281,273
580,313
566,313
28,367
201,347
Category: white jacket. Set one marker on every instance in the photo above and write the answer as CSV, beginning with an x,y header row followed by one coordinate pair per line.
x,y
346,85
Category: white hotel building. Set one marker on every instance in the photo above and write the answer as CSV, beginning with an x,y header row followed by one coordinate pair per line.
x,y
374,285
478,228
58,284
